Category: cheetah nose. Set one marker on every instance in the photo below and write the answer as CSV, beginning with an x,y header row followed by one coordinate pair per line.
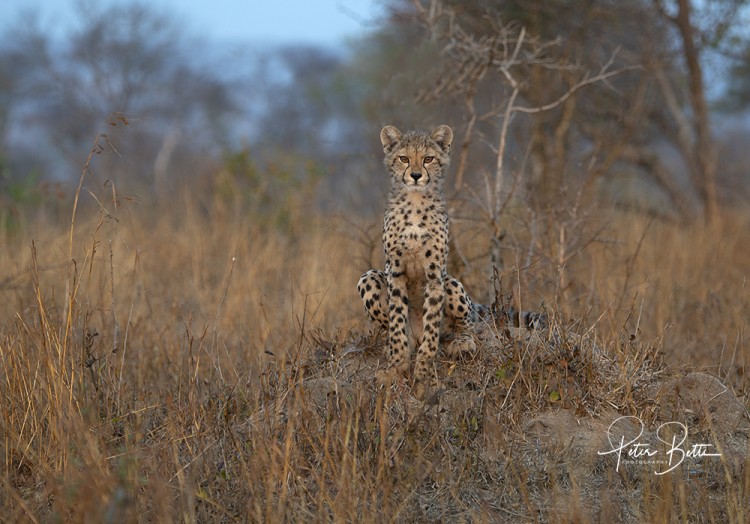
x,y
416,176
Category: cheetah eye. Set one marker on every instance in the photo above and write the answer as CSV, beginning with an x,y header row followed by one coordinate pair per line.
x,y
404,159
428,159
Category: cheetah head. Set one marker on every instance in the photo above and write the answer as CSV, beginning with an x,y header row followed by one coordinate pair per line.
x,y
416,159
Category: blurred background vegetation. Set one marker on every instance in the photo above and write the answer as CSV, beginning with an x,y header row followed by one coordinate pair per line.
x,y
665,132
182,225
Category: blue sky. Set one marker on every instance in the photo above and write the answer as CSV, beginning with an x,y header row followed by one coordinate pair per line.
x,y
325,22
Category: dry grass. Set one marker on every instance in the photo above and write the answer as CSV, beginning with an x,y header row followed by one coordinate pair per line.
x,y
197,364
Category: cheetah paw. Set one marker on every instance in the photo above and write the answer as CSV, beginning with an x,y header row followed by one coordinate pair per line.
x,y
461,345
386,377
427,391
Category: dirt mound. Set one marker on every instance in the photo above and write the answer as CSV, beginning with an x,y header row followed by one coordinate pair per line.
x,y
541,425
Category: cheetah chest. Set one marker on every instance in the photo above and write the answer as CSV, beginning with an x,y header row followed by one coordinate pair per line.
x,y
415,237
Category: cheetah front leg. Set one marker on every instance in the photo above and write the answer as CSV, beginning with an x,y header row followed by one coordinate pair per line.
x,y
398,342
432,316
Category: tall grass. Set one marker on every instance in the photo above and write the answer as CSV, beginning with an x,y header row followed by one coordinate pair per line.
x,y
149,356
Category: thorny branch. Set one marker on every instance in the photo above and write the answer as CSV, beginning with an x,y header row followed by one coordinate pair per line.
x,y
508,51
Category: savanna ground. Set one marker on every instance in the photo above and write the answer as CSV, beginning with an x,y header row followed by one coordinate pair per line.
x,y
200,361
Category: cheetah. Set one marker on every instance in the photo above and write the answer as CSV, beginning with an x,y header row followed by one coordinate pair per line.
x,y
415,281
415,240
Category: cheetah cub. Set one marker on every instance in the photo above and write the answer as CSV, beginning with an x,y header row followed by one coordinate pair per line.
x,y
415,283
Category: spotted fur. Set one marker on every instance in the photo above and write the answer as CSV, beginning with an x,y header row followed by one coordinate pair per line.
x,y
415,293
415,284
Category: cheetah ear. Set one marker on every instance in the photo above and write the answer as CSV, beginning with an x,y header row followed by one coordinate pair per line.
x,y
389,137
443,136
